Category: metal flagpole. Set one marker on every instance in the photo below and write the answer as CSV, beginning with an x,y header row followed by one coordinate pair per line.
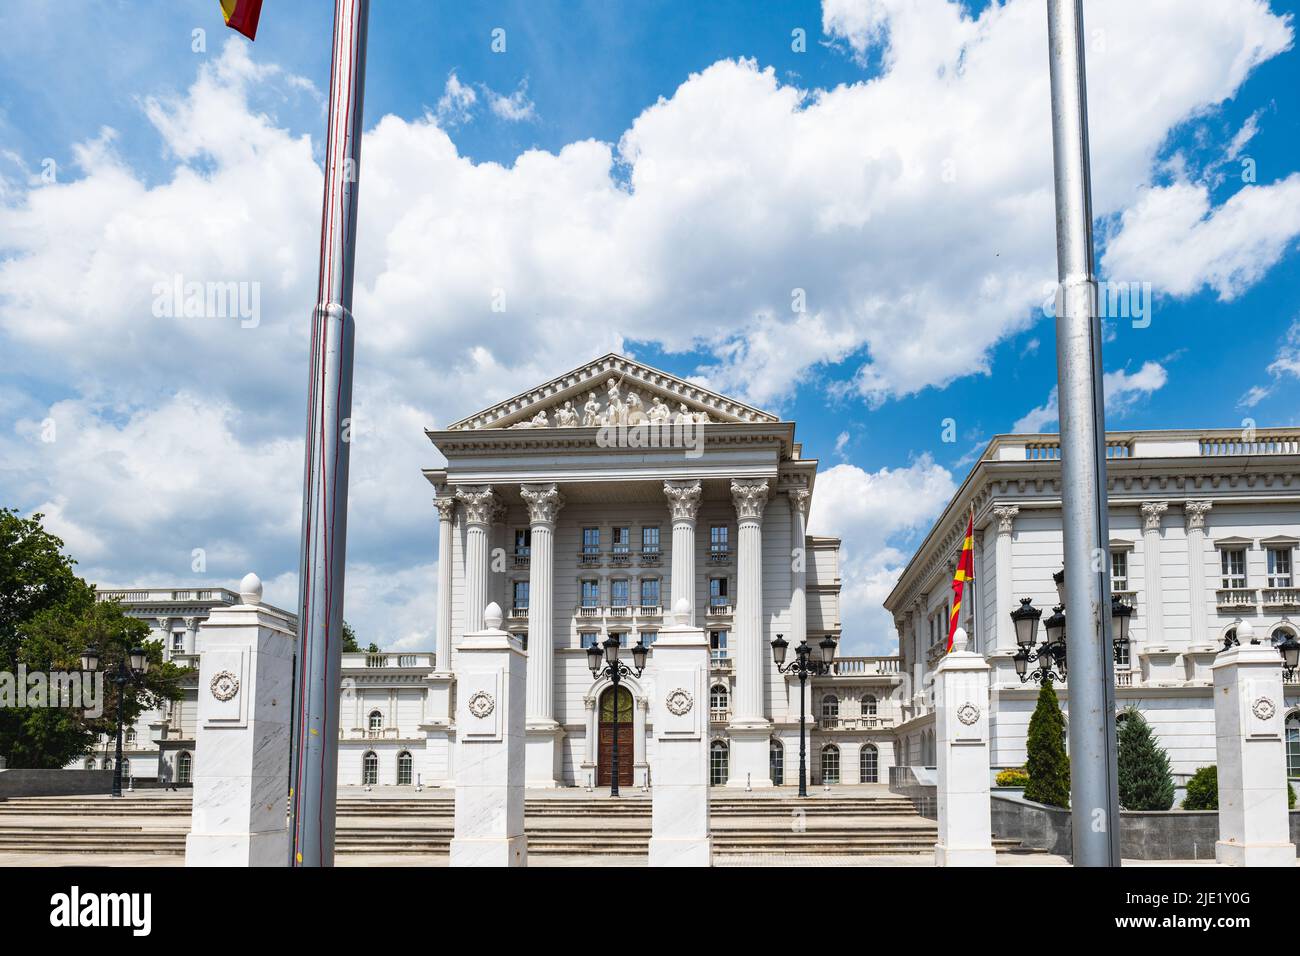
x,y
1094,789
313,779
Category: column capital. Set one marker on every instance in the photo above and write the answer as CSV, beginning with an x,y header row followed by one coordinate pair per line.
x,y
750,497
544,502
1006,515
190,623
446,508
683,499
1194,513
163,622
479,501
799,498
1152,512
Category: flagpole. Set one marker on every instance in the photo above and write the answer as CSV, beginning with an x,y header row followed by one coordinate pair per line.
x,y
313,775
1094,786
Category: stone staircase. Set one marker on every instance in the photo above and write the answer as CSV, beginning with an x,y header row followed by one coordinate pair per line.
x,y
561,824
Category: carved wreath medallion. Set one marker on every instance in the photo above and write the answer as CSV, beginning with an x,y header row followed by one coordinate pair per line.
x,y
968,713
1263,708
224,685
481,704
680,701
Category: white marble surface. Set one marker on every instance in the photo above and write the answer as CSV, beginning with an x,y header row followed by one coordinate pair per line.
x,y
961,695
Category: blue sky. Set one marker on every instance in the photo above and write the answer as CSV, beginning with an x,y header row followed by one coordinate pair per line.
x,y
656,177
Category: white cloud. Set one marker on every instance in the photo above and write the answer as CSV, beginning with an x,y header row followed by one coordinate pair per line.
x,y
875,513
513,108
1123,390
456,104
1285,364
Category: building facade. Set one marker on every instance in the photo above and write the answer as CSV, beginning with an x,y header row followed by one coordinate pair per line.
x,y
1204,531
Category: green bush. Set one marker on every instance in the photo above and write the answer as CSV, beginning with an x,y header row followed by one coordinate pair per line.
x,y
1144,779
1203,790
1047,763
1290,796
1012,777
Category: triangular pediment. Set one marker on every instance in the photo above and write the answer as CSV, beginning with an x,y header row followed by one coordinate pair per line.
x,y
612,390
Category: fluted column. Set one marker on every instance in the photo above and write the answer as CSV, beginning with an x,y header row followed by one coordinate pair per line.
x,y
1152,604
544,503
799,498
750,498
191,636
1194,513
480,505
1006,635
684,505
164,627
442,646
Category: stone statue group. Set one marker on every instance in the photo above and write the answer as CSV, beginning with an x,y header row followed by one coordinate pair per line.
x,y
616,411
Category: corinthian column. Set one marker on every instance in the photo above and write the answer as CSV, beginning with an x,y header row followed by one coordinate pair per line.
x,y
684,505
749,729
1194,513
798,564
480,505
542,763
1006,636
442,646
1152,602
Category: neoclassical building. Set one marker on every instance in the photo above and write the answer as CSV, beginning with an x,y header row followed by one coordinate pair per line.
x,y
1204,531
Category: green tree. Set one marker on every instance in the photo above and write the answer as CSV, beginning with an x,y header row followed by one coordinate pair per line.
x,y
48,616
1145,782
350,645
1047,763
1203,790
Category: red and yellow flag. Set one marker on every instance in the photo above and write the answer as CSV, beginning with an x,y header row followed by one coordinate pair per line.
x,y
241,15
965,572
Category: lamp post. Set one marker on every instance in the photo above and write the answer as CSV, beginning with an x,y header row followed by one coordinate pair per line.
x,y
1290,651
809,661
615,671
132,673
1051,656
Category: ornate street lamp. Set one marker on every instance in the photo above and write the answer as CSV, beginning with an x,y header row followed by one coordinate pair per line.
x,y
810,660
615,671
126,673
1051,656
1120,615
1290,651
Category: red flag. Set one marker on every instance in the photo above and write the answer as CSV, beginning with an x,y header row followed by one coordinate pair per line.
x,y
965,572
241,15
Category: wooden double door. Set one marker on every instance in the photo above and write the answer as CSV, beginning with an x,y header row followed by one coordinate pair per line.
x,y
605,748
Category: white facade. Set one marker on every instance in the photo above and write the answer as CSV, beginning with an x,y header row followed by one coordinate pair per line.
x,y
1204,532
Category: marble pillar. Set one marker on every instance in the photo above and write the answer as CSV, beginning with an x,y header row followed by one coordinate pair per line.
x,y
164,629
1005,633
442,682
961,699
749,729
241,776
191,642
480,507
799,498
442,645
1194,513
1254,827
683,505
679,816
544,734
1152,600
491,685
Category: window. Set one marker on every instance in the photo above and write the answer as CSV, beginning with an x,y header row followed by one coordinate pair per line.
x,y
90,763
185,767
618,592
1279,635
649,637
130,737
622,540
650,540
1122,659
375,722
1279,567
718,700
521,594
178,640
649,592
869,705
624,637
830,706
830,764
718,645
590,593
587,639
717,763
405,766
591,541
719,543
369,769
776,762
1234,567
523,542
869,764
1293,745
718,593
1119,570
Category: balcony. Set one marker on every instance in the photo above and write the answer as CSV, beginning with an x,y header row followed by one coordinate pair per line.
x,y
619,610
589,610
719,715
372,661
651,557
519,613
1237,598
719,607
866,722
589,557
649,610
864,666
1123,678
719,555
620,557
520,559
1282,597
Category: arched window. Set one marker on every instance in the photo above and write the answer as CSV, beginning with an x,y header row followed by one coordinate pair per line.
x,y
130,737
1293,744
405,767
776,762
830,764
830,706
718,701
369,769
90,763
869,705
718,754
869,764
1280,634
376,723
185,767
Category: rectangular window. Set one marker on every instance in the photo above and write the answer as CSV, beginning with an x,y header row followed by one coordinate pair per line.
x,y
718,592
718,540
1119,571
587,639
618,592
649,592
650,540
591,541
648,637
521,594
178,641
1234,567
621,540
523,542
1121,656
590,593
718,645
1279,567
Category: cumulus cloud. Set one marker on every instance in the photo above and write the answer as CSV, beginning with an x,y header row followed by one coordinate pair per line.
x,y
456,104
513,108
1123,390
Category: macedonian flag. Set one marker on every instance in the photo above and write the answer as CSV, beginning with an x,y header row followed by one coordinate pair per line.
x,y
242,15
965,572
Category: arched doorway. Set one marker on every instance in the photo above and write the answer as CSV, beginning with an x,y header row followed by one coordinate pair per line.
x,y
869,764
606,747
776,762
